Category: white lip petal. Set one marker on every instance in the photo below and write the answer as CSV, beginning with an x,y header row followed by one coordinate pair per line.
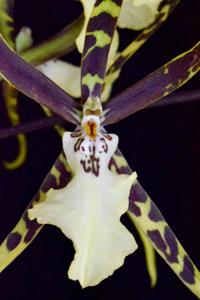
x,y
88,211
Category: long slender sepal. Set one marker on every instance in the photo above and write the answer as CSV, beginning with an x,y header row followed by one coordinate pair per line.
x,y
99,34
39,124
165,10
155,86
34,84
150,254
119,166
26,230
178,98
151,222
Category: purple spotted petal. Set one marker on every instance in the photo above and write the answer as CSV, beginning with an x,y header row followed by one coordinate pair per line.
x,y
165,9
150,221
99,34
155,86
34,84
21,236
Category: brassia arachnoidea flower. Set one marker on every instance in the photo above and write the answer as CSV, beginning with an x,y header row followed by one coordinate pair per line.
x,y
90,185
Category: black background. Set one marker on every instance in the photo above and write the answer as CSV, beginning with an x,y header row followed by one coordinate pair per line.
x,y
162,144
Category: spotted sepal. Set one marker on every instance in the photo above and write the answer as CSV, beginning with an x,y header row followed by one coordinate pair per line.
x,y
11,102
149,219
165,9
119,166
99,34
150,253
155,86
26,230
34,84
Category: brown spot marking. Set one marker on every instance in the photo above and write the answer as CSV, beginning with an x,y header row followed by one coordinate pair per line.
x,y
108,137
91,164
137,194
188,271
32,227
76,134
118,170
65,175
78,144
13,240
162,244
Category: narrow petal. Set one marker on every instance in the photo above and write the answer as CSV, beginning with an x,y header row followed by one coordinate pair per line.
x,y
87,7
34,84
38,124
118,165
149,219
26,230
97,45
164,11
150,254
155,86
88,210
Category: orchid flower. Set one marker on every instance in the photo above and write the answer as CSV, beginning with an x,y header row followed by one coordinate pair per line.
x,y
91,185
67,75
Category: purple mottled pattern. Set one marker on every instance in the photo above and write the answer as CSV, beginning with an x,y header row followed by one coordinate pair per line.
x,y
172,244
155,214
153,87
188,271
162,243
13,240
32,226
121,60
34,84
137,194
95,62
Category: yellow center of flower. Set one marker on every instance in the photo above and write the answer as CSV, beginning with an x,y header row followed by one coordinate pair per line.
x,y
90,129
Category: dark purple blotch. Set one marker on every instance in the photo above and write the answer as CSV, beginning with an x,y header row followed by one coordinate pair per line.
x,y
162,244
155,214
137,194
13,240
31,225
188,271
173,245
